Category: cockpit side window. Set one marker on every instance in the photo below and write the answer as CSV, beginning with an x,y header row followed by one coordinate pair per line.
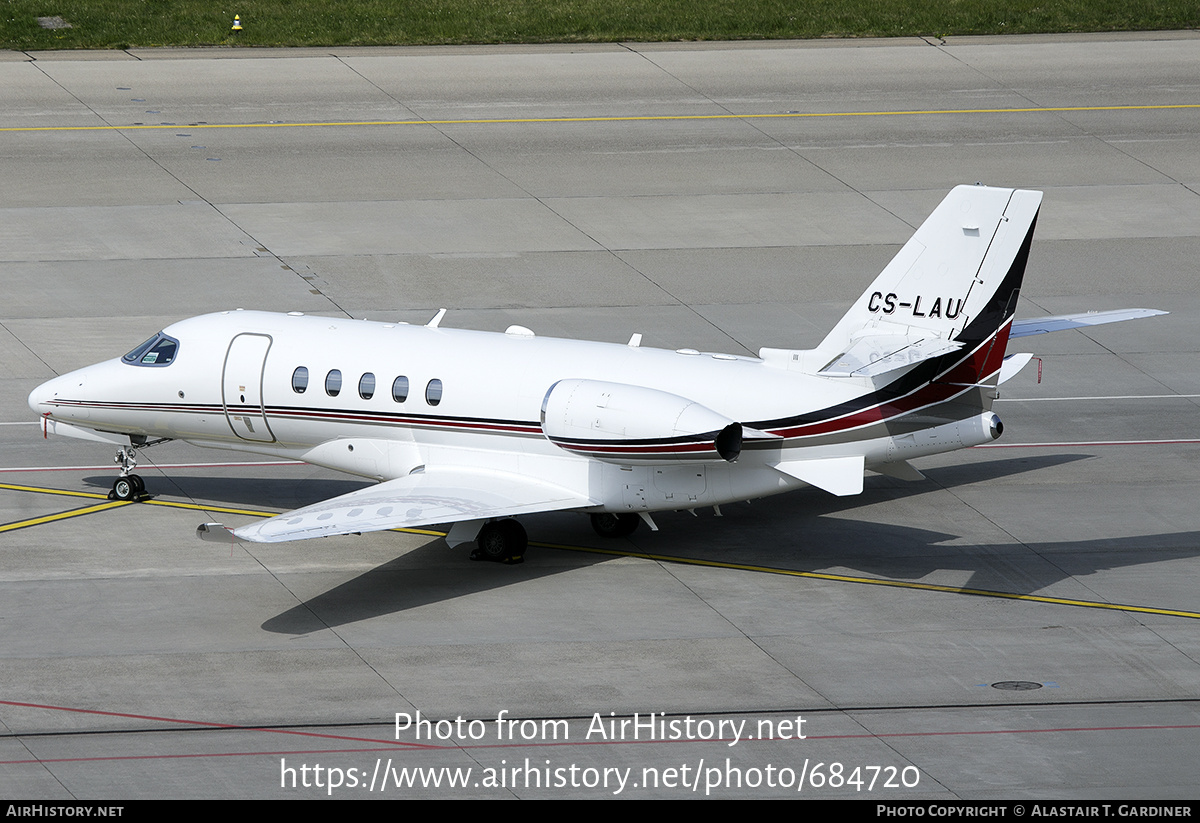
x,y
159,350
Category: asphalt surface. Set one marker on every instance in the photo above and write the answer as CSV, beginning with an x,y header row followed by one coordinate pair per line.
x,y
715,196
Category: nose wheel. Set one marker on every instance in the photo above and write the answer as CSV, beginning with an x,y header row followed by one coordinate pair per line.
x,y
128,486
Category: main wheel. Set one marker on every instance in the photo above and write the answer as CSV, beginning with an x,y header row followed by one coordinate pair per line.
x,y
608,524
125,488
501,541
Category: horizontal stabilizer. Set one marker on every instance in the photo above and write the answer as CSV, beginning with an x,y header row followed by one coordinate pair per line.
x,y
875,354
432,496
837,475
1061,322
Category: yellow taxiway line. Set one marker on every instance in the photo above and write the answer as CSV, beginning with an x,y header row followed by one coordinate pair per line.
x,y
874,581
50,518
630,118
660,558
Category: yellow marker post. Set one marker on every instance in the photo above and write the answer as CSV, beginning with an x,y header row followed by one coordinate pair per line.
x,y
237,23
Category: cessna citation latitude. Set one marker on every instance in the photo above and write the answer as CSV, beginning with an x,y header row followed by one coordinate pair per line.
x,y
476,428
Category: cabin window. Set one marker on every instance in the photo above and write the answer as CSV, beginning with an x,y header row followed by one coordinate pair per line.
x,y
300,380
333,383
400,389
366,386
433,392
159,350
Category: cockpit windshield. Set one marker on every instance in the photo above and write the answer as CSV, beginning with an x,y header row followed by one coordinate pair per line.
x,y
159,350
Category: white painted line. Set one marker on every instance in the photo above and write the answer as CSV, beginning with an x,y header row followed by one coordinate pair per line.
x,y
1081,443
1103,397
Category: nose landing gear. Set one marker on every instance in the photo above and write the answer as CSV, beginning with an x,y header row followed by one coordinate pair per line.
x,y
128,486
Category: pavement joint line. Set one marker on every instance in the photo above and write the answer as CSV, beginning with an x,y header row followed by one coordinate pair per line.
x,y
613,118
687,561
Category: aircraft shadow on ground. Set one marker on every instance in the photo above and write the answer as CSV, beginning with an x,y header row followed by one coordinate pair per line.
x,y
252,493
804,531
424,576
812,531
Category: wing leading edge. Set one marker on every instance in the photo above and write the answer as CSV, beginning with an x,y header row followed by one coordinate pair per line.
x,y
434,496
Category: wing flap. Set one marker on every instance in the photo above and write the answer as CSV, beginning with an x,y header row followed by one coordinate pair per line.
x,y
434,496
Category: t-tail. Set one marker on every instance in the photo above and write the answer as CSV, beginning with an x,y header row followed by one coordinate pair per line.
x,y
924,345
940,312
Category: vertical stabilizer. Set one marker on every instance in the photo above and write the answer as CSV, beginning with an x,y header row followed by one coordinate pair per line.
x,y
953,286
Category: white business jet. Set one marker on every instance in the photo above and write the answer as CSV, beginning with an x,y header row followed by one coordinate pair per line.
x,y
476,428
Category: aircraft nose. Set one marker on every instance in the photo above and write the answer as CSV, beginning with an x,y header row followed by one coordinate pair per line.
x,y
41,397
38,398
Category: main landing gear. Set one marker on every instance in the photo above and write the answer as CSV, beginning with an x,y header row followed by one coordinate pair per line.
x,y
501,541
608,524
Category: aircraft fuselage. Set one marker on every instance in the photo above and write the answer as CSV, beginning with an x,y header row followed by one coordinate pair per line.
x,y
373,399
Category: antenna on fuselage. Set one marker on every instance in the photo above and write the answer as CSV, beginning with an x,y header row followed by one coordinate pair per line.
x,y
437,318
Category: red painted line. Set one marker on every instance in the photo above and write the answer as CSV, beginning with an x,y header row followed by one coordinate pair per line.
x,y
390,747
205,754
207,724
385,745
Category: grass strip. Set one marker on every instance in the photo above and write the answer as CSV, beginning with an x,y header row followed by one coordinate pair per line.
x,y
118,24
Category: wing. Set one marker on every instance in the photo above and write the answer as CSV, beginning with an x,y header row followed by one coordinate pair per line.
x,y
434,496
1043,325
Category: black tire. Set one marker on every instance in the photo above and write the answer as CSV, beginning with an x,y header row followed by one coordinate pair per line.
x,y
609,524
139,485
124,488
501,541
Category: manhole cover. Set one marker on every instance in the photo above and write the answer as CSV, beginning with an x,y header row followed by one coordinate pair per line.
x,y
1016,685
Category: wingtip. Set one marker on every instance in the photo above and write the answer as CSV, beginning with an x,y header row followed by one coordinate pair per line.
x,y
214,533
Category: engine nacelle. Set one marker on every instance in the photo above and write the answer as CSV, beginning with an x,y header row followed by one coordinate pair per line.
x,y
620,423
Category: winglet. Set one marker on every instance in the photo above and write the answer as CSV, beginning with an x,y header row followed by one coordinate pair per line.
x,y
214,533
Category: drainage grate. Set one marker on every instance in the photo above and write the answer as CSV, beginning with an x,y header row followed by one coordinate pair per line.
x,y
1016,685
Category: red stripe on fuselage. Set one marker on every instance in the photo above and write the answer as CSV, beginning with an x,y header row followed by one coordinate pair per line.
x,y
983,361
